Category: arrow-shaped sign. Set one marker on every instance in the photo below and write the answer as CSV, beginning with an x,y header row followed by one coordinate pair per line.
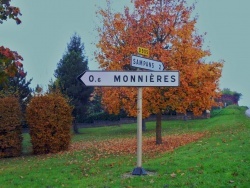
x,y
130,78
145,63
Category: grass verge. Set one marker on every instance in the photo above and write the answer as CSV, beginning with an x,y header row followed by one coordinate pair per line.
x,y
220,159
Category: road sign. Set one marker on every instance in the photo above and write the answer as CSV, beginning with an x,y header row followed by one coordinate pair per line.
x,y
143,51
144,63
130,78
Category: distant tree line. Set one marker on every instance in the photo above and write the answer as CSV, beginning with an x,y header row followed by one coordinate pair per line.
x,y
229,97
86,102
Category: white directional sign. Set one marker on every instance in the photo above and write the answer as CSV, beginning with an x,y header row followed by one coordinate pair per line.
x,y
130,78
149,64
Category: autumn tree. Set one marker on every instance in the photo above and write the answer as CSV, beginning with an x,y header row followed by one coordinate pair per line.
x,y
9,60
229,97
72,64
10,63
18,85
167,29
9,12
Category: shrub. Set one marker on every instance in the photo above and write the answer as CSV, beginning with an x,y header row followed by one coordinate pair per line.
x,y
49,119
10,127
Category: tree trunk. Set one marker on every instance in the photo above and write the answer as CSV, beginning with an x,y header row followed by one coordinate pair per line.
x,y
75,127
158,129
144,125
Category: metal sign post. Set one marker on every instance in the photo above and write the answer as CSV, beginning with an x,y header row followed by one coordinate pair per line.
x,y
139,170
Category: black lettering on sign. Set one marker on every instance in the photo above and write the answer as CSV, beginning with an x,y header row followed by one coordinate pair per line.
x,y
91,78
150,64
140,62
173,78
165,78
151,78
140,78
125,78
158,78
132,78
117,78
134,62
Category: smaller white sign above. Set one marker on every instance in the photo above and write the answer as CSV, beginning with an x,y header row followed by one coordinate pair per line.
x,y
145,63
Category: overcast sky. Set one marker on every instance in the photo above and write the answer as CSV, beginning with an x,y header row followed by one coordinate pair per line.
x,y
48,25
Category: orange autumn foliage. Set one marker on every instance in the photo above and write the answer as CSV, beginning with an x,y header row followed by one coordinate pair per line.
x,y
124,146
49,119
168,31
10,127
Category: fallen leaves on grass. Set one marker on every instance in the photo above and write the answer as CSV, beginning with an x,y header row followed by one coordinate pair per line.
x,y
120,146
173,175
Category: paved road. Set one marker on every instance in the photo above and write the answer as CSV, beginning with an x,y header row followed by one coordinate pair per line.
x,y
248,112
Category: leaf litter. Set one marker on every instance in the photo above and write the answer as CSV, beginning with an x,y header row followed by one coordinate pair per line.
x,y
124,146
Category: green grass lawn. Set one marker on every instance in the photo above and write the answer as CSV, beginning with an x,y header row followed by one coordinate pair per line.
x,y
220,159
